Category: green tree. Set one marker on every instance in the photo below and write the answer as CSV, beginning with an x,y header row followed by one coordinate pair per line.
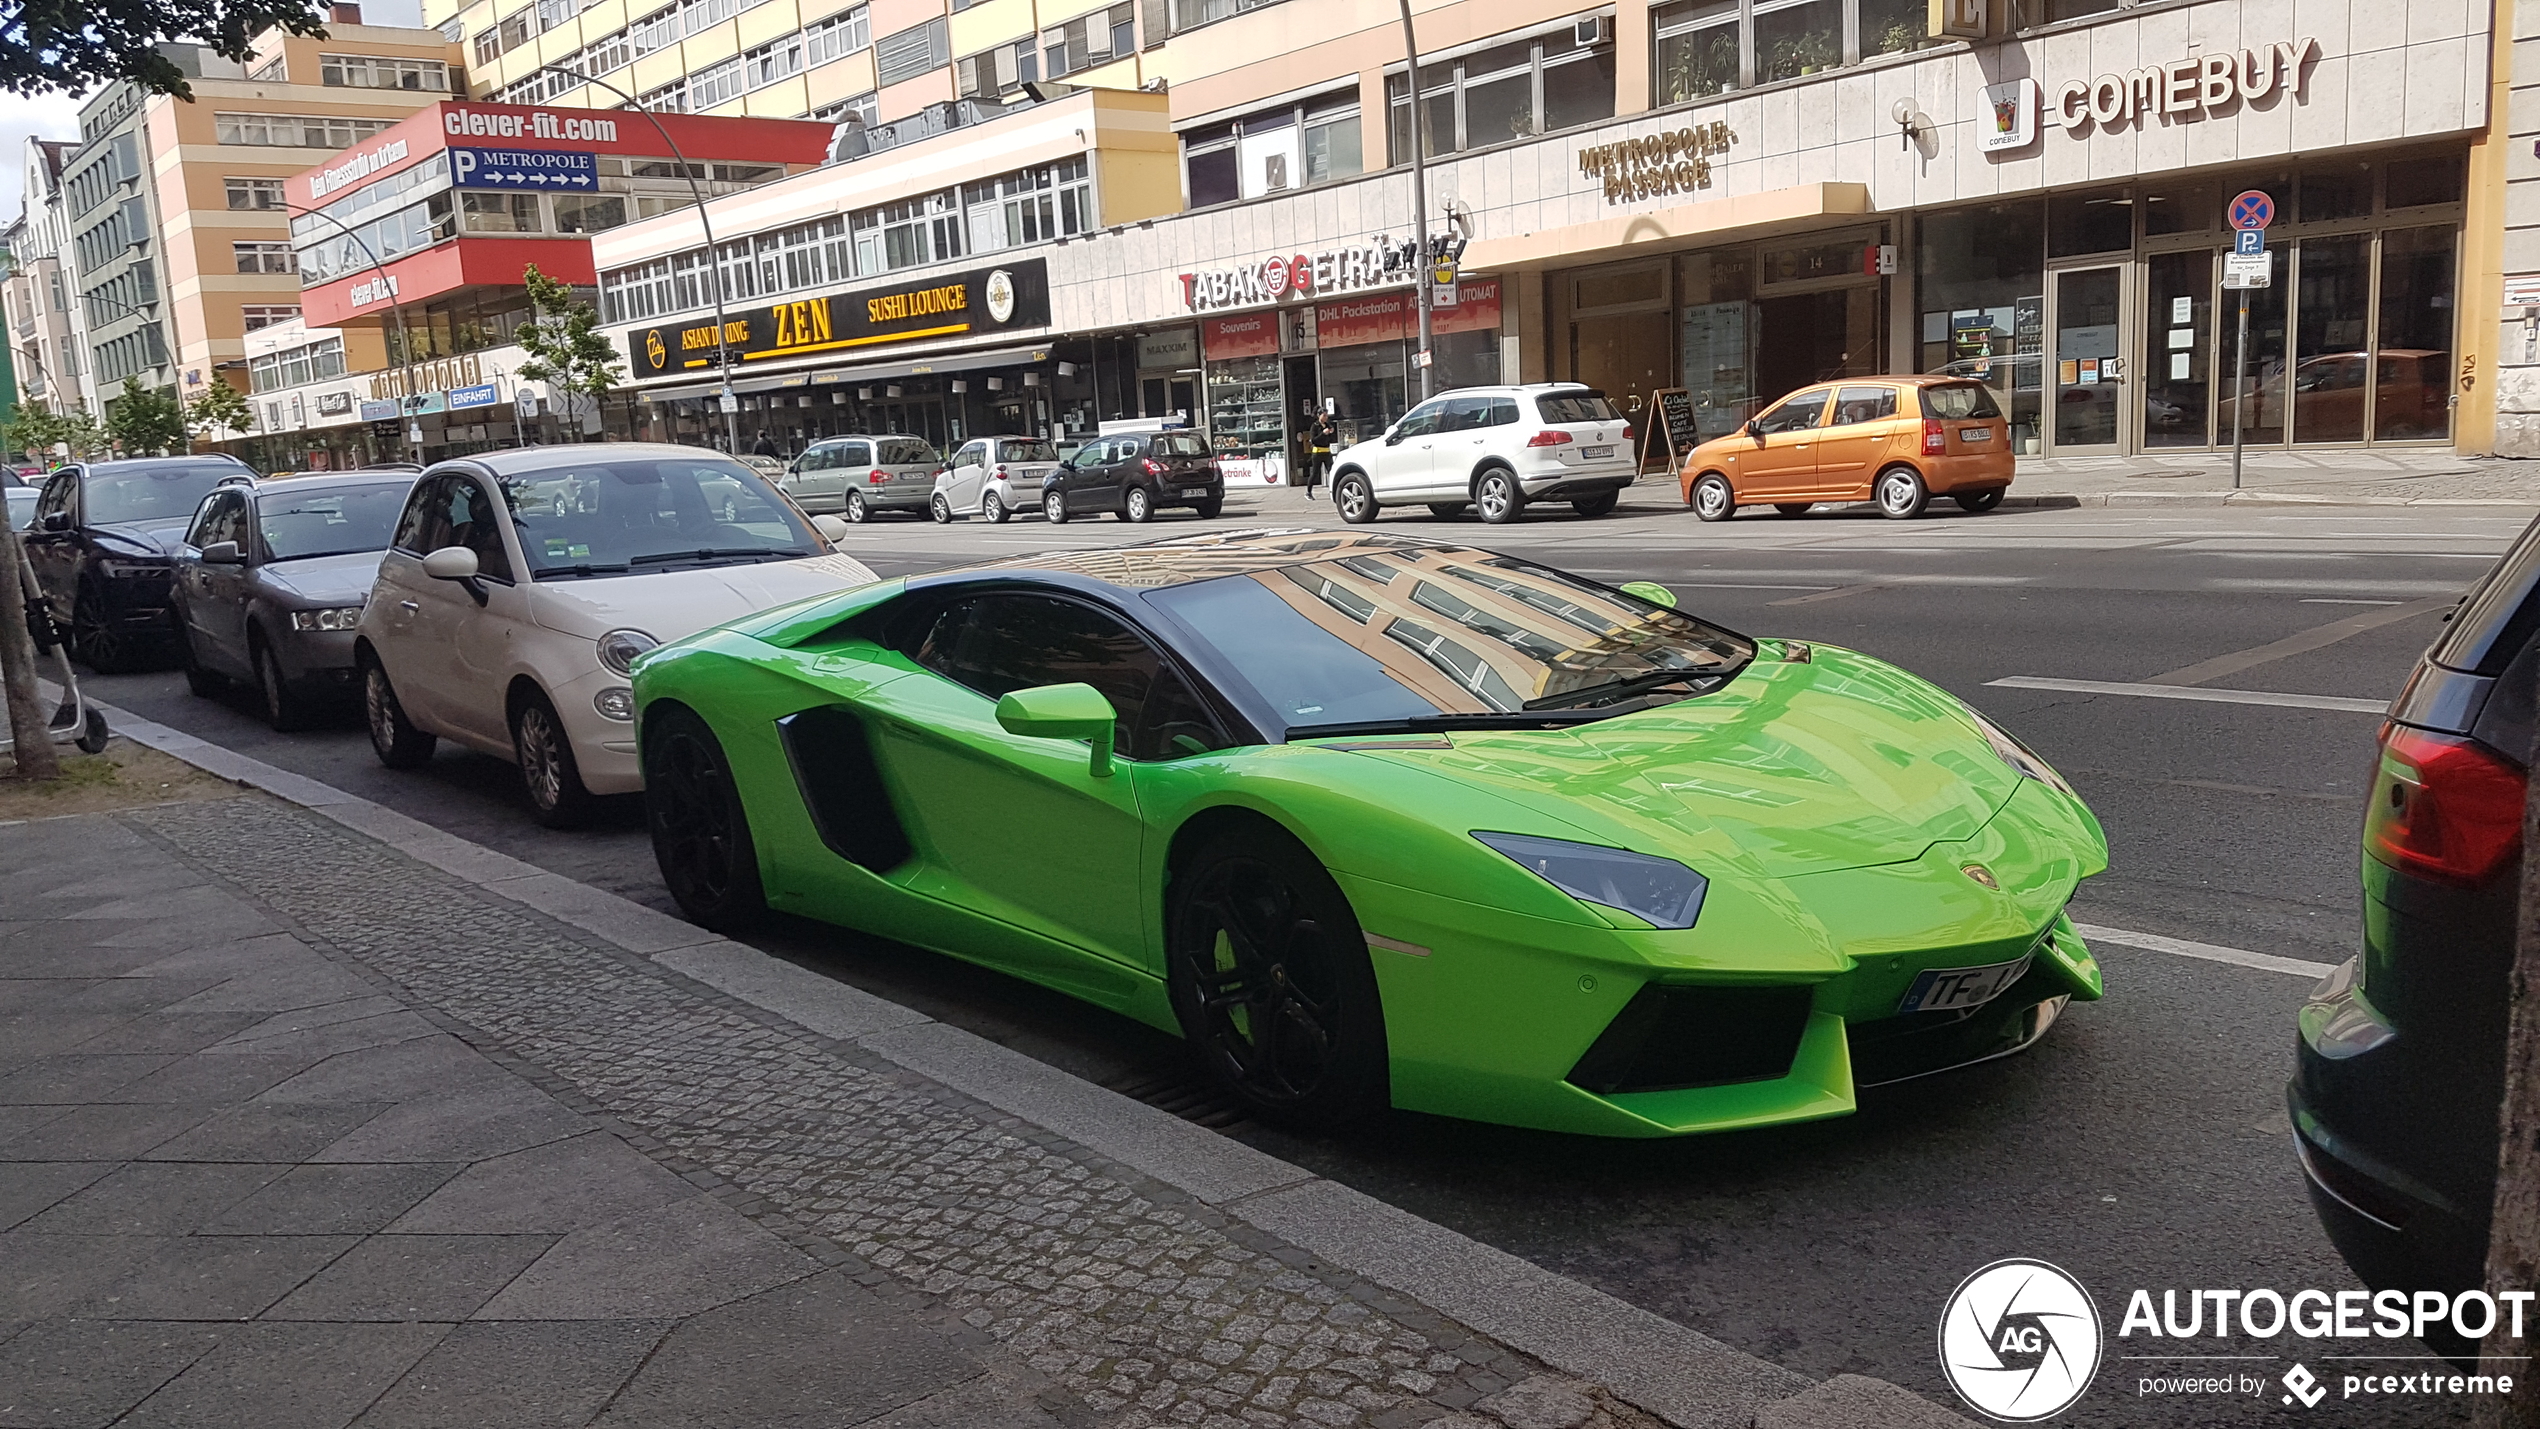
x,y
565,348
72,46
145,421
37,429
222,409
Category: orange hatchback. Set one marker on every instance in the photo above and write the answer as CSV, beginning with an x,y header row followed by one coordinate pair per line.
x,y
1898,441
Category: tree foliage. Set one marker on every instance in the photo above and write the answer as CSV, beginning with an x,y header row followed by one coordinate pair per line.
x,y
145,421
222,409
565,348
37,429
72,46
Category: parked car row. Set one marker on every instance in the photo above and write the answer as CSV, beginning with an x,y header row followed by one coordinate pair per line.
x,y
1130,475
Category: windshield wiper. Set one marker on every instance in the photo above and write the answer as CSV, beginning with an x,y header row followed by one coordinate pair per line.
x,y
1617,689
714,553
1440,723
585,569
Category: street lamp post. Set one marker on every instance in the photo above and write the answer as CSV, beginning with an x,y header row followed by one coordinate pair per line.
x,y
1419,207
714,258
396,309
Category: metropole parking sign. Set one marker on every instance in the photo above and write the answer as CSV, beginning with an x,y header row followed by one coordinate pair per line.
x,y
533,169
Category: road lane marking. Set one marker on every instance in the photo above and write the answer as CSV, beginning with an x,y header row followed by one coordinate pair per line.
x,y
2317,637
1838,593
2195,692
2345,600
2210,952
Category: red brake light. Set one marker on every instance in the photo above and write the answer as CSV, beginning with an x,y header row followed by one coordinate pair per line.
x,y
1152,466
878,477
1935,438
1627,431
2443,808
1000,471
1547,438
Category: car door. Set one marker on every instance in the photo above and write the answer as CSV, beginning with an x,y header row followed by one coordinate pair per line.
x,y
408,618
1403,461
52,541
964,474
1089,476
214,597
1860,428
483,637
1463,439
1777,457
1020,829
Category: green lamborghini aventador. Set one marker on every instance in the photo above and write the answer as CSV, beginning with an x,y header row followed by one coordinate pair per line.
x,y
1374,820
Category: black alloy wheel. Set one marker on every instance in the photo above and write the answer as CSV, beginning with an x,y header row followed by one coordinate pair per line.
x,y
701,832
393,737
94,639
1269,976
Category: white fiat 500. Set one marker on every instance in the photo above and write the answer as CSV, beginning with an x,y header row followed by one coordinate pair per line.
x,y
521,585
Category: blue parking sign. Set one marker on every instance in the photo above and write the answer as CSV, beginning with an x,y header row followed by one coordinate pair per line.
x,y
2249,240
569,170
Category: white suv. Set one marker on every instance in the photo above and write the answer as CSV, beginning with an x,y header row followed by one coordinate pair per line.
x,y
1494,449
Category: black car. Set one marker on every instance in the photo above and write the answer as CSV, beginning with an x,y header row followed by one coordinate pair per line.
x,y
270,584
103,545
2401,1062
1134,476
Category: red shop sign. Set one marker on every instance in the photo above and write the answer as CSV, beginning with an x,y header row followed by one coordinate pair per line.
x,y
1252,335
1392,317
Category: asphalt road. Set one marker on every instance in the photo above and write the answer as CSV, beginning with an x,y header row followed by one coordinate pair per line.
x,y
2142,1144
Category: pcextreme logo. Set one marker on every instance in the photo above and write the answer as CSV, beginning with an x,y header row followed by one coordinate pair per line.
x,y
2019,1341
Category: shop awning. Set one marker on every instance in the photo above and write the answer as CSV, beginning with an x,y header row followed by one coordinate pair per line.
x,y
828,376
1716,217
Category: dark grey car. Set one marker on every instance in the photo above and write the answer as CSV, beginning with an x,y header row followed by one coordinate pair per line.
x,y
271,581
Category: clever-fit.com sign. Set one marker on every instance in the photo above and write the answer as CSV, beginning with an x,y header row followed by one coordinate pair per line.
x,y
524,169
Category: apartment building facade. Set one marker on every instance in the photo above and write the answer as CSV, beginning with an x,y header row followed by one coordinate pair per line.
x,y
45,342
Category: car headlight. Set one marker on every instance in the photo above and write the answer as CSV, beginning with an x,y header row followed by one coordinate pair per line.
x,y
125,570
616,702
1658,891
2019,756
341,617
619,648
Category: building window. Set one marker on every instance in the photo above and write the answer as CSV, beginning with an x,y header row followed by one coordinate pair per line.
x,y
714,84
866,106
270,72
454,29
908,235
1507,91
1293,146
656,32
294,367
264,257
912,52
489,46
671,98
992,72
517,30
1030,206
611,53
296,131
499,212
1187,13
632,295
552,13
253,193
840,34
772,62
1706,47
589,213
383,72
264,315
1089,40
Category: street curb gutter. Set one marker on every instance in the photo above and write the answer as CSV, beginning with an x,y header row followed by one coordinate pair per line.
x,y
1683,1377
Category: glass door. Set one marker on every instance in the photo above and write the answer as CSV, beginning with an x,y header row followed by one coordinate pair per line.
x,y
2178,349
2085,366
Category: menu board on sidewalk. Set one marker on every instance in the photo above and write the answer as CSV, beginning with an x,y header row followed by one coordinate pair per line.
x,y
1672,431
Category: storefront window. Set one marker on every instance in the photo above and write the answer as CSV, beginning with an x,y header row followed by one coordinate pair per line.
x,y
2334,191
2177,383
1512,90
1982,300
1715,326
2254,395
1243,407
1697,49
1365,385
2330,374
2422,179
2097,222
2178,207
2411,385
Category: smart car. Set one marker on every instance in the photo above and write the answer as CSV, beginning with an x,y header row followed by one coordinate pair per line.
x,y
993,477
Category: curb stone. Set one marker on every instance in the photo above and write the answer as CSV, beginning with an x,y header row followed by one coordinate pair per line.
x,y
1654,1364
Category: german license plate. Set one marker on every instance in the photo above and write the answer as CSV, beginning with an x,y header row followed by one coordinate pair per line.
x,y
1592,453
1975,434
1191,491
1956,989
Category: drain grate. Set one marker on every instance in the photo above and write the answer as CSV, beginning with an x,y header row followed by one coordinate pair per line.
x,y
1177,1088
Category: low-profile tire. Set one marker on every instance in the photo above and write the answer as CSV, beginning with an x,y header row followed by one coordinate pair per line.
x,y
1054,509
858,510
939,507
1137,506
992,507
1210,507
1712,498
284,708
1268,973
701,832
94,640
1794,508
393,737
1354,498
1979,502
1498,498
200,679
1600,504
549,774
1448,510
1900,494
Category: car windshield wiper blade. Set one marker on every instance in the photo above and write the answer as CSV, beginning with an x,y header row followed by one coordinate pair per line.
x,y
585,569
1617,689
1439,723
714,553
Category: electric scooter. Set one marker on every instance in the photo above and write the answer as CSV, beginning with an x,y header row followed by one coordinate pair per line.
x,y
76,721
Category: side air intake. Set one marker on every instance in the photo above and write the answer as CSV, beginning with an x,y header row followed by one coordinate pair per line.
x,y
842,787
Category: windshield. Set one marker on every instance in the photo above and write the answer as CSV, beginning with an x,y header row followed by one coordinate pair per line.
x,y
902,451
1181,444
1560,408
151,493
330,523
1416,633
1025,449
1957,401
614,516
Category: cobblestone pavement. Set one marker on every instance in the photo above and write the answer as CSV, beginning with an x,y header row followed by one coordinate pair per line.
x,y
1139,1305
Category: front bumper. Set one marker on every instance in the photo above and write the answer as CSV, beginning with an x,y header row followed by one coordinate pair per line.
x,y
320,660
136,604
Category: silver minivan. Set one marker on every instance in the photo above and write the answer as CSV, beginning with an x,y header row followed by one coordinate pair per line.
x,y
993,477
857,476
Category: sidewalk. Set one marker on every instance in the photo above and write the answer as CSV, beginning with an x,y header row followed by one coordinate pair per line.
x,y
300,1128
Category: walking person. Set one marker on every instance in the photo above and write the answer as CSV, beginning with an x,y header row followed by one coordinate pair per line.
x,y
1319,441
765,446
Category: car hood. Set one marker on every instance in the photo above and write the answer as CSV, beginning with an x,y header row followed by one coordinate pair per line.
x,y
1795,767
155,538
671,605
323,580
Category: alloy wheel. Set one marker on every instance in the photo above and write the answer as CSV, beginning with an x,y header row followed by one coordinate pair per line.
x,y
1054,509
992,508
1357,504
1267,981
940,509
541,763
857,511
1496,499
692,816
1137,505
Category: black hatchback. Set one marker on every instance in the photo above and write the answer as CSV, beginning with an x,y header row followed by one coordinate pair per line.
x,y
103,542
2401,1062
1135,475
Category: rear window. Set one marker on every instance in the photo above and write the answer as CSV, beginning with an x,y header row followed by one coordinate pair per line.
x,y
1959,402
1559,408
2496,619
1025,449
1181,444
904,451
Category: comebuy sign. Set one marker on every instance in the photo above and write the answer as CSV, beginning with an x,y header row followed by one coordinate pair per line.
x,y
2196,87
1011,296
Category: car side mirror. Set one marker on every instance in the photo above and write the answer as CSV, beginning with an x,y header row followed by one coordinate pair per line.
x,y
223,553
456,563
1076,711
1650,591
1393,436
1755,429
831,528
58,521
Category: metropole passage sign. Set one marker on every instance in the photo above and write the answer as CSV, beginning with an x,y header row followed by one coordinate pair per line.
x,y
980,302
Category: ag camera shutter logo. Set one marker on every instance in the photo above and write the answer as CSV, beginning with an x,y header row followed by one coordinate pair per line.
x,y
2019,1341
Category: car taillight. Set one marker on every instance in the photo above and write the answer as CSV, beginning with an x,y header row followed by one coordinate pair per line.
x,y
1001,468
1627,431
878,477
1547,438
2443,808
1152,466
1935,438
